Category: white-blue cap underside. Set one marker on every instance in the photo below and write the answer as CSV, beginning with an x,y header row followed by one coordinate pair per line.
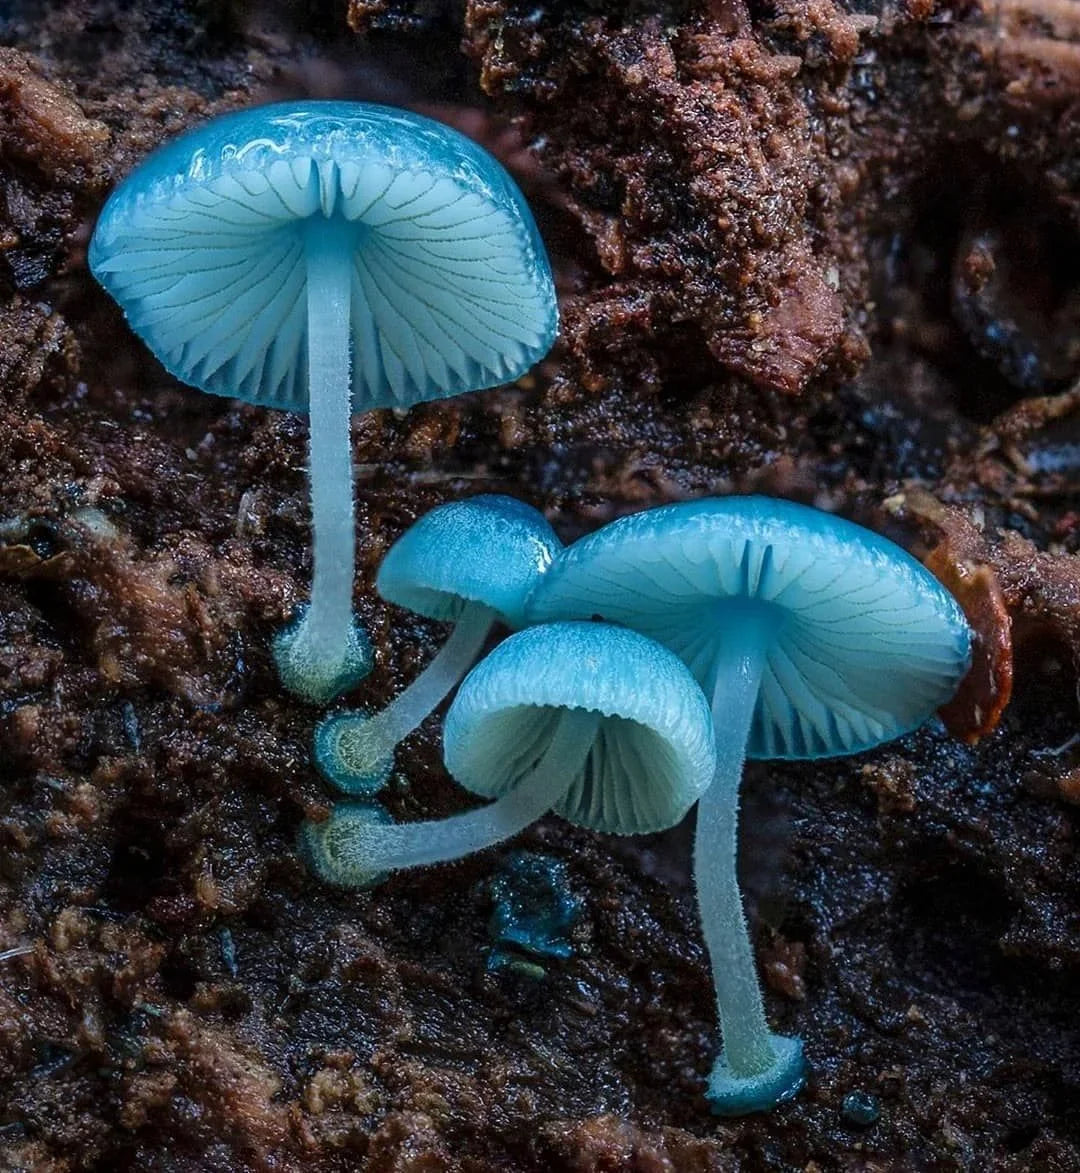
x,y
869,644
450,288
653,756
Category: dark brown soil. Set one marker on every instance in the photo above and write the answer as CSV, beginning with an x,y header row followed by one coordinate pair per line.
x,y
825,252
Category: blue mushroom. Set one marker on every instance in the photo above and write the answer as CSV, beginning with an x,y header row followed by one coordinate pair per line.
x,y
555,718
812,637
471,563
329,258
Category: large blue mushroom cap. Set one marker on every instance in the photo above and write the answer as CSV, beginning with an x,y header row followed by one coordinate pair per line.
x,y
487,549
653,755
203,247
865,643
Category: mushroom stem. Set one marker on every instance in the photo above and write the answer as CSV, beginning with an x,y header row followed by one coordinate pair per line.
x,y
369,848
325,653
755,1068
356,752
738,996
329,270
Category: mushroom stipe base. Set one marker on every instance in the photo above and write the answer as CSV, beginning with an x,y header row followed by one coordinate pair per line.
x,y
738,1095
355,751
320,845
306,676
338,754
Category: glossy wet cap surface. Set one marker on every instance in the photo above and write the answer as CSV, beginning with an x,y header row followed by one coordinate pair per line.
x,y
203,247
489,549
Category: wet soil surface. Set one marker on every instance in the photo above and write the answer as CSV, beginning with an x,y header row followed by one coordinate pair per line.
x,y
827,252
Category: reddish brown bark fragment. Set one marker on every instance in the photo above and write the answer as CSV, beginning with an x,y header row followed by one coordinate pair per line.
x,y
960,561
981,699
42,125
1011,591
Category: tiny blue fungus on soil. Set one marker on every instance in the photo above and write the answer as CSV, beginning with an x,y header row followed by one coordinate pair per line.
x,y
535,911
328,258
861,1109
228,952
555,718
471,563
812,637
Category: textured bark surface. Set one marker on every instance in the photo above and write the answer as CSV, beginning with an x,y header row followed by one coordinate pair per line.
x,y
828,252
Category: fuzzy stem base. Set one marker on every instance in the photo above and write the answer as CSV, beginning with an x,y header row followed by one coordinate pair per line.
x,y
372,848
356,752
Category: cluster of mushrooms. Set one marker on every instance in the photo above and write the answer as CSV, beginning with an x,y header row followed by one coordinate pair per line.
x,y
651,658
334,257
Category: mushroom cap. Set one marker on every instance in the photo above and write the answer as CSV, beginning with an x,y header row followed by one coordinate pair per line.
x,y
652,757
487,549
203,247
866,643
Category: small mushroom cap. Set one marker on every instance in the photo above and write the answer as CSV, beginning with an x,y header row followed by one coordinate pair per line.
x,y
866,643
203,247
487,549
652,757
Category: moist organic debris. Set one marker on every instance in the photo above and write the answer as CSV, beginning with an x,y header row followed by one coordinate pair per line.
x,y
801,249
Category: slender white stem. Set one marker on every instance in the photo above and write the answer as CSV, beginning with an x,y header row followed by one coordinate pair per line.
x,y
373,847
327,252
747,1039
405,712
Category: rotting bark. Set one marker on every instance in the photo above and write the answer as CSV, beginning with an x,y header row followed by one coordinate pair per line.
x,y
802,250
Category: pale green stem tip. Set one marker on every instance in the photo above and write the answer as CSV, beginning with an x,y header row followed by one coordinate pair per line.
x,y
351,754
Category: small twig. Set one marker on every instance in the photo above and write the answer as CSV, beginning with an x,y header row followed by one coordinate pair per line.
x,y
1059,750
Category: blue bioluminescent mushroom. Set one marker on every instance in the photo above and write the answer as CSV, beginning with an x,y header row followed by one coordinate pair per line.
x,y
812,637
470,563
555,718
328,257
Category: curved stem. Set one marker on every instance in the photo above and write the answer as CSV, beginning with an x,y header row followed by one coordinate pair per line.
x,y
405,712
329,291
747,1039
356,752
376,848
